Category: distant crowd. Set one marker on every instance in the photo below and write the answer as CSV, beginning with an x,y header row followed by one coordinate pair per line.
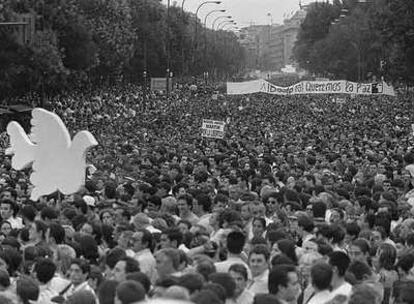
x,y
304,201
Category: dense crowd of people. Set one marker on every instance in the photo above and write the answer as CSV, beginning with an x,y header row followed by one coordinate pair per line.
x,y
305,201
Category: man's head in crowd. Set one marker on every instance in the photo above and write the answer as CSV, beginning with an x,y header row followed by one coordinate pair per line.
x,y
339,262
140,240
78,271
7,208
27,290
245,211
239,274
171,238
201,204
37,231
44,270
225,280
283,282
4,280
123,267
184,204
220,202
321,276
129,292
9,194
359,250
235,242
167,262
259,259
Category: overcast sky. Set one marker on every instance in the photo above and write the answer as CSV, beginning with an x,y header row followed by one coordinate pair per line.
x,y
245,12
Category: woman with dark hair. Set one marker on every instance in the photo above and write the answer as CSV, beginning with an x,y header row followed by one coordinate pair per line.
x,y
27,290
5,228
286,247
384,262
259,227
107,217
37,233
107,240
89,249
10,260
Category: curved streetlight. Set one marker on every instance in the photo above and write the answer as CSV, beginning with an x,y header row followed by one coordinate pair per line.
x,y
196,26
271,18
218,18
212,12
182,39
182,7
204,3
224,22
196,16
205,27
231,24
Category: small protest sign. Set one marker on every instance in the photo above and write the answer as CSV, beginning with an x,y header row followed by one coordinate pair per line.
x,y
212,128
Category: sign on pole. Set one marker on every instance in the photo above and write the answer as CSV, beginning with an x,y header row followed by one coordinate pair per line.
x,y
212,128
160,84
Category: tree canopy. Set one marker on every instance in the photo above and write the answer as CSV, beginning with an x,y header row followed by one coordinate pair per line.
x,y
357,40
78,42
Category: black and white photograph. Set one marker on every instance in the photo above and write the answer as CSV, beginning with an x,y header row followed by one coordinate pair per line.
x,y
207,151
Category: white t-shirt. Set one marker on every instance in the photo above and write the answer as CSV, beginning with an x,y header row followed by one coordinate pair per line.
x,y
15,222
345,289
320,297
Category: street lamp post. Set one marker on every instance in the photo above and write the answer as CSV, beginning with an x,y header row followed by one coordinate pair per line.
x,y
182,7
168,49
225,22
212,12
198,9
355,45
196,25
205,28
223,27
182,41
218,18
269,38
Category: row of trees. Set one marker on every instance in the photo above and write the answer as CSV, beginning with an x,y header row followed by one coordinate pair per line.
x,y
80,42
371,38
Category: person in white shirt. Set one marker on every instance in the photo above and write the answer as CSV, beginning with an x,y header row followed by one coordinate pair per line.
x,y
247,218
340,263
321,277
259,266
44,271
142,242
241,295
7,212
78,273
235,244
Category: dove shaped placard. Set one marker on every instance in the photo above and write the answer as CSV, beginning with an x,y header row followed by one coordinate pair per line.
x,y
58,162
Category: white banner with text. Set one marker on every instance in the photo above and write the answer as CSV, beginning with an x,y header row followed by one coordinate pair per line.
x,y
310,87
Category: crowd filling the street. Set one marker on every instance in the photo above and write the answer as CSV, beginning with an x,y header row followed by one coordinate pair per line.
x,y
305,200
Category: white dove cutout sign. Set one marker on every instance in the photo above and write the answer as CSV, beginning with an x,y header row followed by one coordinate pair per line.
x,y
58,162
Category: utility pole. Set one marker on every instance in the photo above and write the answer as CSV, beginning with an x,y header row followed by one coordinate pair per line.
x,y
168,49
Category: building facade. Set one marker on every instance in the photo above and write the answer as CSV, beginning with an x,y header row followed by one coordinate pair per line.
x,y
283,41
270,48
